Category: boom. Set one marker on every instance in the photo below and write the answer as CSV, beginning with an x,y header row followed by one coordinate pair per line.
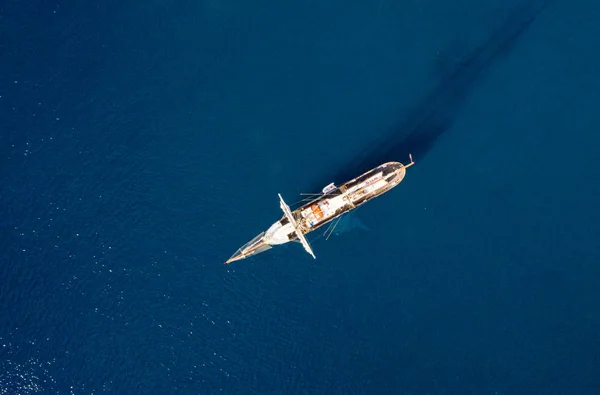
x,y
288,214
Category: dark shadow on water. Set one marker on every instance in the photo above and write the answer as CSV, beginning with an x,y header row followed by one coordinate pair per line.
x,y
434,115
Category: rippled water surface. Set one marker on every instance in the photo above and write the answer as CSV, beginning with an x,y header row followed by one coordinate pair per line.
x,y
141,143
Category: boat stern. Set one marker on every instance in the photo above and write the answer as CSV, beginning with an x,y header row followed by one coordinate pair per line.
x,y
395,171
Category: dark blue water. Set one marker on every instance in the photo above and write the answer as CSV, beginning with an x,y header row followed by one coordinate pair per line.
x,y
141,143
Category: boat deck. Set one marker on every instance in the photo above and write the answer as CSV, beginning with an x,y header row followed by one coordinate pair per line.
x,y
348,196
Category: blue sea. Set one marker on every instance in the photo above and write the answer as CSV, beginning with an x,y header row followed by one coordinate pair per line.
x,y
143,142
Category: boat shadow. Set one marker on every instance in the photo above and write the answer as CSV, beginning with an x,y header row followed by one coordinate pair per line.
x,y
418,132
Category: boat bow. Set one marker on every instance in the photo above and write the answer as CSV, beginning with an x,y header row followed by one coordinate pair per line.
x,y
253,247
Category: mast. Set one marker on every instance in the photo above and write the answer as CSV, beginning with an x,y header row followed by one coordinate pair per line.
x,y
288,214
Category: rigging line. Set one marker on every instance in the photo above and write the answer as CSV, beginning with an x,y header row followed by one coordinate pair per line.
x,y
301,201
311,196
329,226
317,238
336,223
337,189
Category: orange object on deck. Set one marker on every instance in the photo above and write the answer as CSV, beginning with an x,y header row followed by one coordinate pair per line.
x,y
317,211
